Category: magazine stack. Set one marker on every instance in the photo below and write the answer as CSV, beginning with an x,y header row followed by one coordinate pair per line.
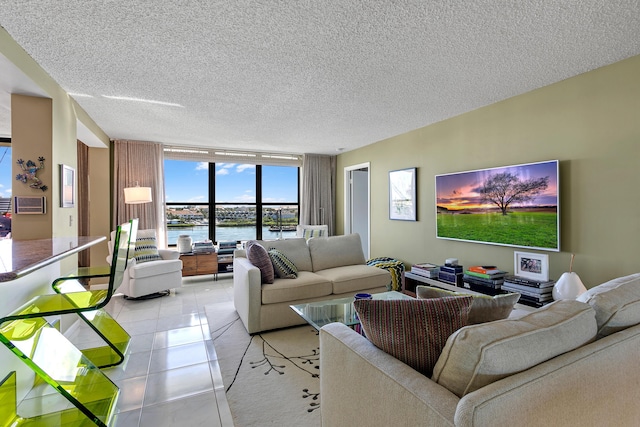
x,y
533,292
487,279
426,270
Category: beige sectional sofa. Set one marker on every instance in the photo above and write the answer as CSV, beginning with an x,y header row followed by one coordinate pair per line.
x,y
328,267
571,363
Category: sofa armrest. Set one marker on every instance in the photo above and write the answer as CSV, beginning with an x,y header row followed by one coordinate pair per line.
x,y
361,382
247,293
168,254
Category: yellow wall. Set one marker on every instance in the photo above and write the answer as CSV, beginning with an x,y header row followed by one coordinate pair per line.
x,y
590,123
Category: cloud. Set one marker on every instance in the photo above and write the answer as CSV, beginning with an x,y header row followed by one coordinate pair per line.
x,y
197,199
222,172
202,166
242,168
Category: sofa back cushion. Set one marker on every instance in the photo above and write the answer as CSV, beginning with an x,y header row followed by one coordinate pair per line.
x,y
296,250
616,302
484,308
478,355
335,251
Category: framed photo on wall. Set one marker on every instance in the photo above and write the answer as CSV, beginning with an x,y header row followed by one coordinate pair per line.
x,y
402,194
67,186
531,266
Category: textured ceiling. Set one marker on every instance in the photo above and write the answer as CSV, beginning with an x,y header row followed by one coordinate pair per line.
x,y
309,76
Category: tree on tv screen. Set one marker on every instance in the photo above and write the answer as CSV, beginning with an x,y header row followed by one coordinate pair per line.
x,y
504,189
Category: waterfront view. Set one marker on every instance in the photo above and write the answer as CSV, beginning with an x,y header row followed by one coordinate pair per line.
x,y
224,234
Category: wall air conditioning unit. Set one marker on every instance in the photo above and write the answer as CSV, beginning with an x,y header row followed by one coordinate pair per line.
x,y
34,205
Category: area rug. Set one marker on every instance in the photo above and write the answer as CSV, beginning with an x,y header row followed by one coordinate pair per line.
x,y
271,378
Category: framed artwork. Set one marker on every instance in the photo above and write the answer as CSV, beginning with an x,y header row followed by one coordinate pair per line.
x,y
515,205
67,186
402,194
531,266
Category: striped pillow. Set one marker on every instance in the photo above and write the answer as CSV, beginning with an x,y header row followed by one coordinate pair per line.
x,y
413,331
146,246
283,267
258,256
308,233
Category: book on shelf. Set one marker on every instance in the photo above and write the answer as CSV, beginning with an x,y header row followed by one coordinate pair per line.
x,y
453,269
451,278
425,266
485,269
491,283
499,274
533,302
532,295
426,270
482,289
529,282
524,288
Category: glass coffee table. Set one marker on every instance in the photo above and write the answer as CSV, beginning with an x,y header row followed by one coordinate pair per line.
x,y
320,313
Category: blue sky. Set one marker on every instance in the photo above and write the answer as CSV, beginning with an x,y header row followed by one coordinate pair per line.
x,y
5,172
187,181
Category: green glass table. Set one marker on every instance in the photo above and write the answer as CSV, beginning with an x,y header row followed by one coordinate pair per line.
x,y
320,313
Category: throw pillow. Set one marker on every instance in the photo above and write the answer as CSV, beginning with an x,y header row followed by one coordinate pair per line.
x,y
478,355
283,267
309,233
484,308
258,256
146,248
413,331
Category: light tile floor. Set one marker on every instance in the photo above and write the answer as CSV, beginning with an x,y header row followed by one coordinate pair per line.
x,y
171,374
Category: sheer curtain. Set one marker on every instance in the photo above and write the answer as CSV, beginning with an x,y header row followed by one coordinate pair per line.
x,y
141,162
317,201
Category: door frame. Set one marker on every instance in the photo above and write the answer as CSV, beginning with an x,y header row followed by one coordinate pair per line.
x,y
347,201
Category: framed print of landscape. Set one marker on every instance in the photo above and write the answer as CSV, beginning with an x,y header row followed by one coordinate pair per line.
x,y
511,206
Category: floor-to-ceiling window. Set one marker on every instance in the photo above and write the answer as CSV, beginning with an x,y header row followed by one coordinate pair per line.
x,y
6,178
230,201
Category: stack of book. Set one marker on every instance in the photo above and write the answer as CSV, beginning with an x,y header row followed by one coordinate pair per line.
x,y
487,279
451,274
426,269
533,292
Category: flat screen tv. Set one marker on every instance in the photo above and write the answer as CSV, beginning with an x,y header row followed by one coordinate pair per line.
x,y
511,206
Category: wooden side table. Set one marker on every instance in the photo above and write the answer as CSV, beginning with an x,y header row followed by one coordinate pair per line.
x,y
196,264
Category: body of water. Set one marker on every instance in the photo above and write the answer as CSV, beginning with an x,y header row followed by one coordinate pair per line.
x,y
199,233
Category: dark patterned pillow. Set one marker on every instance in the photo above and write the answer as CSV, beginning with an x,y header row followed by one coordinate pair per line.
x,y
146,248
283,267
258,256
413,331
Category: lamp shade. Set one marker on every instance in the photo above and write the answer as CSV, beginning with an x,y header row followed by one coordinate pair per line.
x,y
568,286
137,195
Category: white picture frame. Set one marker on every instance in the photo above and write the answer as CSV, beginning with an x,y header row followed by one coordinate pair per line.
x,y
67,186
531,266
402,194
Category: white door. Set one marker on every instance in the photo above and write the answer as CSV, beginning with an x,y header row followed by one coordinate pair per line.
x,y
357,212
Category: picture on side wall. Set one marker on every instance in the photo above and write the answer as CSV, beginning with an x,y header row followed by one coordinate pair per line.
x,y
511,206
402,194
67,186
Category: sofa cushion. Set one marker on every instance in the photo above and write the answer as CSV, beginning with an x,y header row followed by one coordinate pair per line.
x,y
306,285
354,278
282,265
258,256
413,331
478,355
295,249
146,248
154,268
616,302
484,308
335,251
309,233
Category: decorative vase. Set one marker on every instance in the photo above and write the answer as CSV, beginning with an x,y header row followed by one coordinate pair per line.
x,y
569,285
184,243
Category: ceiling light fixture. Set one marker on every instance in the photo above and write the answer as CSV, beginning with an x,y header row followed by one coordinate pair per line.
x,y
148,101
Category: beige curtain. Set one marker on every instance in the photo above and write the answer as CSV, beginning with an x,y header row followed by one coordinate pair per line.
x,y
318,198
141,162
